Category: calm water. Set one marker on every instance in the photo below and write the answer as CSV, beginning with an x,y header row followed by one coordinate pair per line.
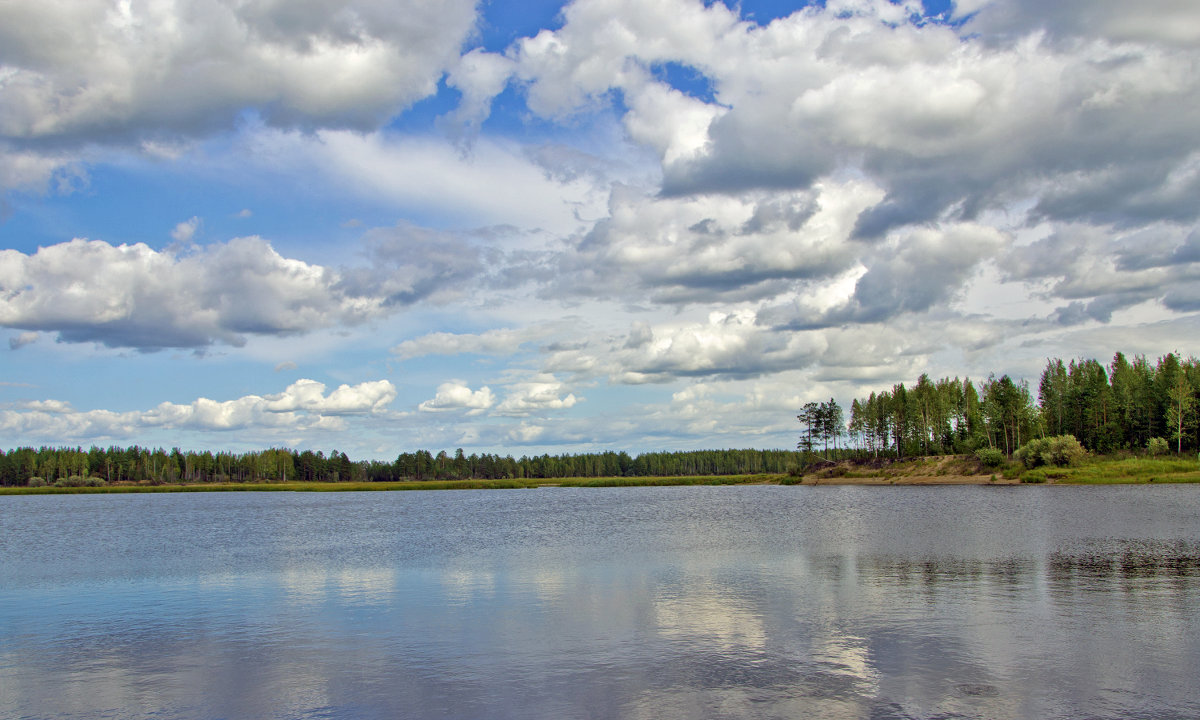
x,y
738,602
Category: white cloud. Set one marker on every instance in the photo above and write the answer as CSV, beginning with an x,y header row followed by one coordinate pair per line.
x,y
38,170
727,344
526,433
537,395
496,183
1159,21
454,396
501,341
309,395
302,406
20,341
943,121
134,296
149,77
479,76
50,406
77,73
714,247
591,53
186,230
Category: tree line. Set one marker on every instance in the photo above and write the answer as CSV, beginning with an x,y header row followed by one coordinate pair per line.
x,y
63,465
1121,406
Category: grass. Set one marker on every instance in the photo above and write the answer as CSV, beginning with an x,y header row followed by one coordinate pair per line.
x,y
1094,471
414,485
1108,470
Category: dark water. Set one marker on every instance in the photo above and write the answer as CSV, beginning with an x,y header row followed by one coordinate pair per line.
x,y
728,602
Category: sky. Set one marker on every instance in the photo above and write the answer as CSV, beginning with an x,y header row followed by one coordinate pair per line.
x,y
374,226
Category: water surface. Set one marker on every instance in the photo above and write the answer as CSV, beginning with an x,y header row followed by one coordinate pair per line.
x,y
738,602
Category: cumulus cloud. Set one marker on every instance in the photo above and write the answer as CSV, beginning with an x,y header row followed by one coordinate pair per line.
x,y
726,345
537,395
1097,271
134,296
302,405
944,120
20,341
456,396
78,74
147,76
526,433
718,247
309,396
1158,21
479,76
502,341
408,263
914,272
186,230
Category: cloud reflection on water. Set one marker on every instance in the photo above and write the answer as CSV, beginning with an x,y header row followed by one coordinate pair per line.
x,y
632,604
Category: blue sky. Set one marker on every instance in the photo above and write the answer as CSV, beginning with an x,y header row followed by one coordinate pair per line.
x,y
541,227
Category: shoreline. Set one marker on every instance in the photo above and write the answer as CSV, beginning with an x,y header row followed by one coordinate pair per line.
x,y
782,480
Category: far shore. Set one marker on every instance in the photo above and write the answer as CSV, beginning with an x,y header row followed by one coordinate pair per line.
x,y
912,480
1110,473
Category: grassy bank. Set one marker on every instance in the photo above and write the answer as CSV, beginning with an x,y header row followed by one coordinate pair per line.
x,y
960,469
967,469
416,485
1107,471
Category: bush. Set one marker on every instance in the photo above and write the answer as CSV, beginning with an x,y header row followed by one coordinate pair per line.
x,y
1033,476
1030,454
37,482
1157,446
75,481
1060,451
990,457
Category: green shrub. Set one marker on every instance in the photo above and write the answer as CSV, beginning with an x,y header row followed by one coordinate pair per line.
x,y
990,457
1064,451
1033,476
76,481
1059,451
1031,453
37,482
1157,446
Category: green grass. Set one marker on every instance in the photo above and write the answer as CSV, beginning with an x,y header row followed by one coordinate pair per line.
x,y
1094,471
415,485
1103,470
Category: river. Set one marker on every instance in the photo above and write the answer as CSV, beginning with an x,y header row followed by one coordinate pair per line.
x,y
676,602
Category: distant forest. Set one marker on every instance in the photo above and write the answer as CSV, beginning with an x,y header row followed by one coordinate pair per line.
x,y
1119,407
76,466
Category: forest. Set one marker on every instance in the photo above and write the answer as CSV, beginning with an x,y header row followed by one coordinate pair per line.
x,y
1123,406
77,466
1128,405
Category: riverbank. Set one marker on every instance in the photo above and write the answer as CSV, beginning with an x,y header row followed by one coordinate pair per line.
x,y
504,484
968,470
944,470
